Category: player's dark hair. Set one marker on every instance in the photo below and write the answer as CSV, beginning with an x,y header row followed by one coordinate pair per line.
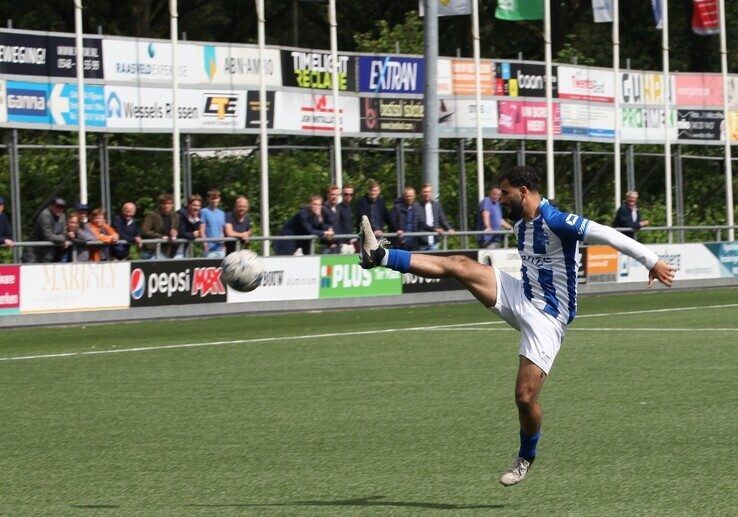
x,y
522,176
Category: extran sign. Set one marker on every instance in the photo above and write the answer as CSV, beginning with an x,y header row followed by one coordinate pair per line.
x,y
391,74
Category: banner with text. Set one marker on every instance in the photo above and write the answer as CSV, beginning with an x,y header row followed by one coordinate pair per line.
x,y
312,69
285,278
313,113
341,276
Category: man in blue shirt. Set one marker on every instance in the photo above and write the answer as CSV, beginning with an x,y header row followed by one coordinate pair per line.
x,y
489,218
541,303
405,218
213,222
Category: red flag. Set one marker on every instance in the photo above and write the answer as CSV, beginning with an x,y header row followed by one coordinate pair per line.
x,y
705,17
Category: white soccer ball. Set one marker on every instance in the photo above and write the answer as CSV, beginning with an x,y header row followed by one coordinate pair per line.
x,y
242,270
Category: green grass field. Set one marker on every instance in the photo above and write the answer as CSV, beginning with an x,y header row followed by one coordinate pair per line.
x,y
370,412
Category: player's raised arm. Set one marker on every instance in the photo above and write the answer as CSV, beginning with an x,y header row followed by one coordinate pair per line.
x,y
657,269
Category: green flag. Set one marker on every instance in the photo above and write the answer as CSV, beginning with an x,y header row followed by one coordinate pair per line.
x,y
519,10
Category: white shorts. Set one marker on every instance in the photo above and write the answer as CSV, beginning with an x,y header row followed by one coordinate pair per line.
x,y
541,333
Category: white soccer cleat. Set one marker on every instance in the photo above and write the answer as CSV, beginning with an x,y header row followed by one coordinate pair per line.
x,y
515,472
368,243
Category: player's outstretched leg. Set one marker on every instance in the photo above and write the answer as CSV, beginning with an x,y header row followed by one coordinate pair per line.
x,y
477,278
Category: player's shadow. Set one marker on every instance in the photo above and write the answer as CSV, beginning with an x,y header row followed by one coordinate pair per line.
x,y
373,500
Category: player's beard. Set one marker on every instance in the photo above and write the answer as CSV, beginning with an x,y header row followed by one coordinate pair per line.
x,y
515,209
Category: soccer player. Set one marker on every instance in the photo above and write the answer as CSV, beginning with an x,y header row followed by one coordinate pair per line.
x,y
541,304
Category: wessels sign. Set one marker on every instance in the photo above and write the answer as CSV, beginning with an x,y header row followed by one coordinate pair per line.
x,y
176,282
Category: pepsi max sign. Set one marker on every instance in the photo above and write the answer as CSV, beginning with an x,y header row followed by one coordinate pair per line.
x,y
176,282
391,74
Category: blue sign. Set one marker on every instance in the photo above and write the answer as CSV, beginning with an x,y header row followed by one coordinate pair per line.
x,y
391,74
64,105
28,102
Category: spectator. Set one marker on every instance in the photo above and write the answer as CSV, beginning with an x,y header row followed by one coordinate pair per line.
x,y
629,216
405,217
308,221
103,232
50,226
127,229
6,232
213,221
79,237
373,206
330,215
162,223
82,210
432,218
238,223
489,218
344,223
190,223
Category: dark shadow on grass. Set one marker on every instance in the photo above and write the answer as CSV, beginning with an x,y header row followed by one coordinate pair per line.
x,y
374,500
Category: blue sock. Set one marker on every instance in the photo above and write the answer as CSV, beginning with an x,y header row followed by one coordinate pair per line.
x,y
399,260
528,445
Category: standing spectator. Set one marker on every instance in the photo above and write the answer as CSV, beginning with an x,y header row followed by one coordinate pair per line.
x,y
308,221
6,232
103,232
127,229
190,223
489,218
432,218
330,215
50,226
373,206
162,223
238,223
629,216
79,237
405,217
344,223
213,222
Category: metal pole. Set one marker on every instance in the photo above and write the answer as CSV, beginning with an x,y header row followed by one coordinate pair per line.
x,y
332,161
15,198
667,111
521,152
176,180
105,200
630,166
462,194
337,113
81,130
679,180
478,94
186,154
263,143
400,161
578,195
616,95
550,187
430,117
729,216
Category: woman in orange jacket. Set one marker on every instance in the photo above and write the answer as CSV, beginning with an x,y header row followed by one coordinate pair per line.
x,y
103,232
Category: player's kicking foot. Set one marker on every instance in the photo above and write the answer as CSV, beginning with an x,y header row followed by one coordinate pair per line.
x,y
372,251
516,472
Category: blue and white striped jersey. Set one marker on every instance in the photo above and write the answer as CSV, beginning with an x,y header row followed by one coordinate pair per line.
x,y
549,249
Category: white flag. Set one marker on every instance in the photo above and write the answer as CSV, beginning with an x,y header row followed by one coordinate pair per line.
x,y
449,7
602,11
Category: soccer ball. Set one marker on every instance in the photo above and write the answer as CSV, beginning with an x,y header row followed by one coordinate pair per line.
x,y
242,270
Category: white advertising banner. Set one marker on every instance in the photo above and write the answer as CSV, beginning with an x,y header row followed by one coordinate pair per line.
x,y
586,84
128,107
693,261
458,117
643,88
87,286
285,278
142,61
444,81
506,260
314,112
591,120
238,66
645,124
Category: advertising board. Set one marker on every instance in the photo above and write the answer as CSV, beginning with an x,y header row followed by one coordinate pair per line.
x,y
699,124
418,284
314,112
463,77
643,87
341,276
526,118
285,278
312,69
86,286
391,115
693,261
238,66
48,56
458,117
128,107
703,90
507,260
175,282
253,109
601,264
727,254
646,124
523,80
391,74
586,84
588,120
9,290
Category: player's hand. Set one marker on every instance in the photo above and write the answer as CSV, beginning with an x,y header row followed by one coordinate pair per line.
x,y
662,272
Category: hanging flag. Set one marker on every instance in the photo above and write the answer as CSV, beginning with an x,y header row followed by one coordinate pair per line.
x,y
449,7
705,17
602,11
519,10
656,5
